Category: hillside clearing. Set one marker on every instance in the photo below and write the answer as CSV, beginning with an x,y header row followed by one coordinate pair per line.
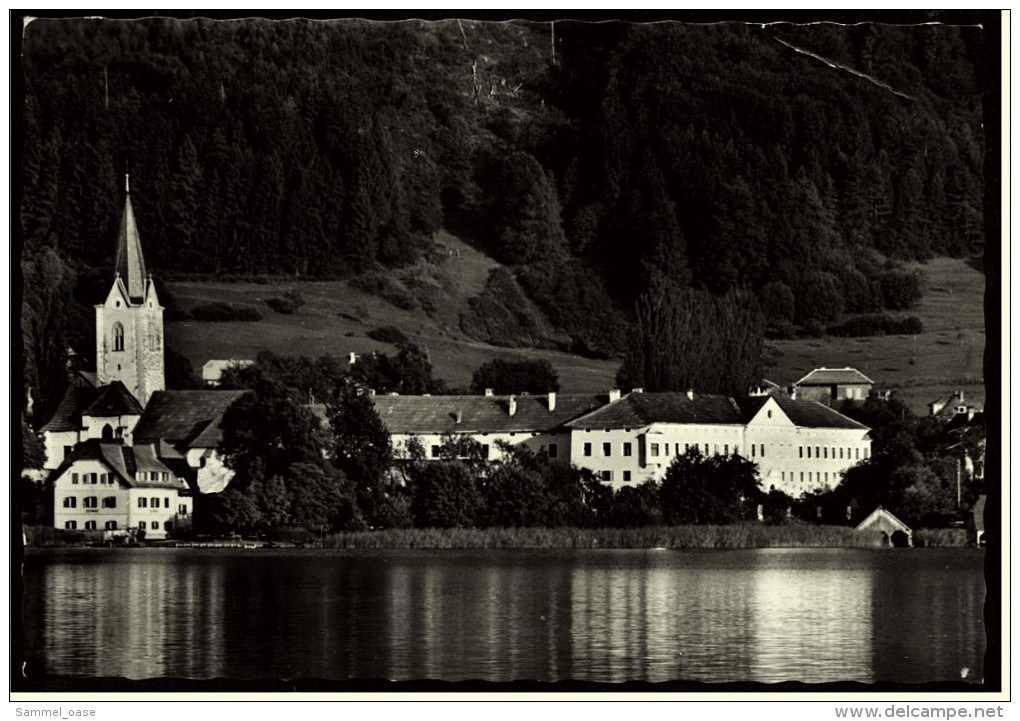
x,y
337,317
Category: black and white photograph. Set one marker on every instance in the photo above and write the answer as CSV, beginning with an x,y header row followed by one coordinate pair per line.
x,y
492,352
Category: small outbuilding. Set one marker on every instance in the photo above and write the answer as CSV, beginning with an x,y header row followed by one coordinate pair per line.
x,y
212,371
976,526
894,531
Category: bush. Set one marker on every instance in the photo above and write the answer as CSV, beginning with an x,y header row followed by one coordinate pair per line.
x,y
388,334
901,289
523,376
386,288
289,304
223,313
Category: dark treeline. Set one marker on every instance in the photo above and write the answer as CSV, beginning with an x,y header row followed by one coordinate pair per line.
x,y
717,158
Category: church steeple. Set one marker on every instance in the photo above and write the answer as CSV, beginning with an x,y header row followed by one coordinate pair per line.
x,y
130,263
129,324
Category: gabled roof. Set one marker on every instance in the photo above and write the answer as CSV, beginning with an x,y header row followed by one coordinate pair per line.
x,y
480,414
882,517
642,409
185,418
114,400
67,416
812,414
834,376
125,462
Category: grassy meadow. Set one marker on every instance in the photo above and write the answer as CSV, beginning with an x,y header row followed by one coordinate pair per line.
x,y
948,356
337,316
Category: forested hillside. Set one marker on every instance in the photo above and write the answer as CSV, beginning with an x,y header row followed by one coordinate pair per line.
x,y
794,163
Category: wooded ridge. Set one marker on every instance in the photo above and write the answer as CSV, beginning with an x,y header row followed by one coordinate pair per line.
x,y
596,161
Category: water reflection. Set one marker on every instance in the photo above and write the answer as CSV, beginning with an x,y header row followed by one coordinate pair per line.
x,y
608,616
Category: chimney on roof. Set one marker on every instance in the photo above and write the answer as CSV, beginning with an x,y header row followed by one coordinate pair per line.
x,y
371,391
489,392
552,401
614,395
637,390
793,393
690,394
513,405
351,358
459,415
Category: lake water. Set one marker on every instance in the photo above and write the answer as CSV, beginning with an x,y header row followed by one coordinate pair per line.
x,y
813,615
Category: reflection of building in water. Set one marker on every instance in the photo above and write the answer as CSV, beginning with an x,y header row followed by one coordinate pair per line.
x,y
123,618
812,625
502,623
658,624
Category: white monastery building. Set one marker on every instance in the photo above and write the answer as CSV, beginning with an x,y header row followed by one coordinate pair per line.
x,y
799,446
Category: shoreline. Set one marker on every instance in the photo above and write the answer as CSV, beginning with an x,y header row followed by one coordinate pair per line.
x,y
730,537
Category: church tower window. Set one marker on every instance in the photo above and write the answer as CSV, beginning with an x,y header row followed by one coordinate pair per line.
x,y
118,336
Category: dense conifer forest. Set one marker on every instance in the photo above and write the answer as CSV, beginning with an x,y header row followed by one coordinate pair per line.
x,y
615,168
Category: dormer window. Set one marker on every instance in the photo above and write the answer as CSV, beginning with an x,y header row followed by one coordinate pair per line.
x,y
118,337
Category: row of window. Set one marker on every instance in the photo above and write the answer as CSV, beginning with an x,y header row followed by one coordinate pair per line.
x,y
109,479
92,479
831,452
810,476
608,476
112,525
118,338
111,502
153,502
90,502
665,449
90,525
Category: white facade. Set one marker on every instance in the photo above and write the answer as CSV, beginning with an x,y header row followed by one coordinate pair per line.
x,y
555,445
797,460
791,458
90,496
129,341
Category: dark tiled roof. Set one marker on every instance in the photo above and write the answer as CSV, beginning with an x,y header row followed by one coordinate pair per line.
x,y
114,400
961,421
641,409
189,418
86,378
811,414
67,417
125,462
480,414
834,376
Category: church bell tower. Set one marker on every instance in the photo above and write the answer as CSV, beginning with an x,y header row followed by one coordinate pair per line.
x,y
129,324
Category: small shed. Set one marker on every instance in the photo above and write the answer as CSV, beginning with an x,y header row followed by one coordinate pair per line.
x,y
976,527
892,528
212,371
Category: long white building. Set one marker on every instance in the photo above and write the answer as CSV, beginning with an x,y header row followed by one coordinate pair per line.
x,y
627,439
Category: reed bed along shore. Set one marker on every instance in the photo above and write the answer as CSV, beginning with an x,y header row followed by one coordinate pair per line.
x,y
675,537
941,538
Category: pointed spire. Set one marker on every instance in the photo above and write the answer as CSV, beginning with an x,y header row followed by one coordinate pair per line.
x,y
130,263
